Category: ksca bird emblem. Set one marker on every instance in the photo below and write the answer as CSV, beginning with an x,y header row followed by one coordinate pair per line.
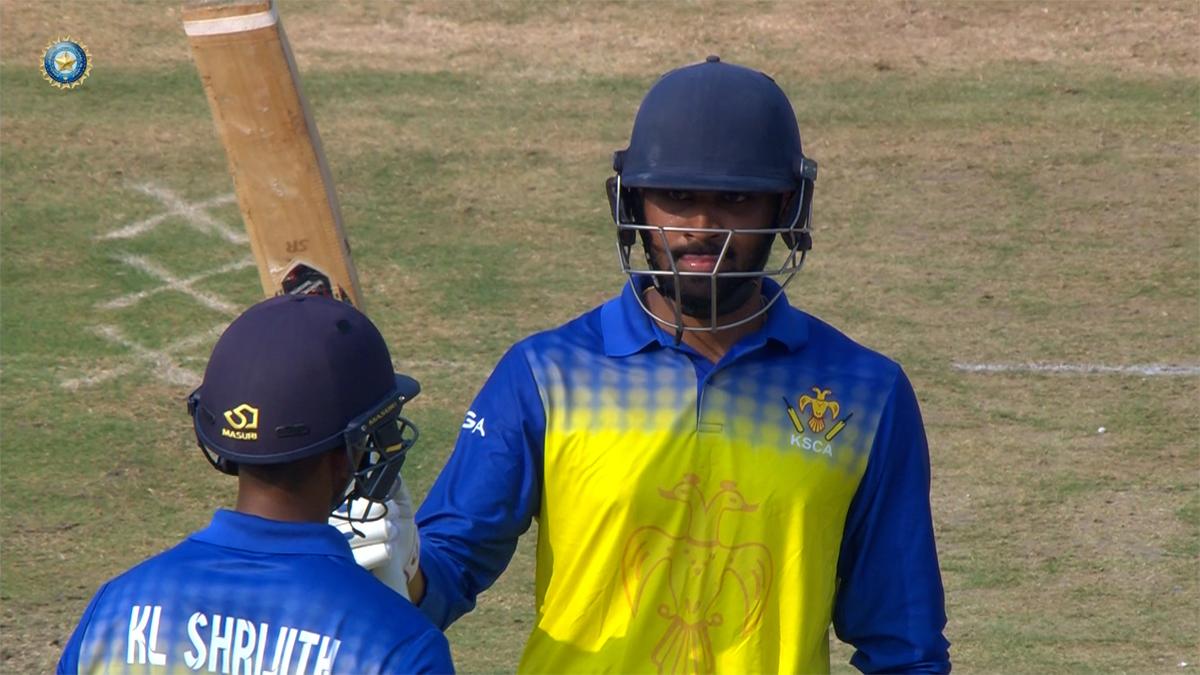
x,y
819,405
697,566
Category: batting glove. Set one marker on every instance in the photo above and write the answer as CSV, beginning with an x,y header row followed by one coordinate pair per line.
x,y
387,543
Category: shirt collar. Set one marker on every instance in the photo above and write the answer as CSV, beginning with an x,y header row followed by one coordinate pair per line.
x,y
628,329
233,529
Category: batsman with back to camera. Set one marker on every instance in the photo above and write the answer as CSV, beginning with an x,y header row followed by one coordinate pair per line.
x,y
301,403
716,475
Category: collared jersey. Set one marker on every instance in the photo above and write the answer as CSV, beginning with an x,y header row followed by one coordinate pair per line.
x,y
254,596
695,517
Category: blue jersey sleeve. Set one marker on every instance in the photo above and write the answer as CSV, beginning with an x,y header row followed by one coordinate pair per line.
x,y
487,494
428,654
69,662
890,604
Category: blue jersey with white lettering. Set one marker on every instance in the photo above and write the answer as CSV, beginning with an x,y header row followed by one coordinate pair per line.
x,y
255,596
692,516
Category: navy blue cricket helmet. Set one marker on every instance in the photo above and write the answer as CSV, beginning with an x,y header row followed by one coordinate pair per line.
x,y
714,126
298,375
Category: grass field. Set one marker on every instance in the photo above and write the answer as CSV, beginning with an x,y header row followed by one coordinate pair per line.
x,y
1001,183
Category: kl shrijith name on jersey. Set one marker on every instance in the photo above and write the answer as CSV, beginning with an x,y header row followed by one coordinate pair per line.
x,y
229,644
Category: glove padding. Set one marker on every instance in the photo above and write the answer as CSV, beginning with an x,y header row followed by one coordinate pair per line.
x,y
388,544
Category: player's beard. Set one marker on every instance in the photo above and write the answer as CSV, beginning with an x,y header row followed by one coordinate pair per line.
x,y
695,292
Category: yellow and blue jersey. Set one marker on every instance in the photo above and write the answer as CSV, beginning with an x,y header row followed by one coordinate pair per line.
x,y
254,596
695,517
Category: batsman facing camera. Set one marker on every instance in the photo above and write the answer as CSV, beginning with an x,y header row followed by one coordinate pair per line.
x,y
325,383
687,521
715,128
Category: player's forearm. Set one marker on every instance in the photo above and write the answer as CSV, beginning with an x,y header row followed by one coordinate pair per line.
x,y
485,497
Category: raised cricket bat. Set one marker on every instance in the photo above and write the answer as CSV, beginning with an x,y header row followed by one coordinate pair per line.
x,y
279,171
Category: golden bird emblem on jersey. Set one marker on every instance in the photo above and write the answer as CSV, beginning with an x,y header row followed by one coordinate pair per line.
x,y
819,406
698,565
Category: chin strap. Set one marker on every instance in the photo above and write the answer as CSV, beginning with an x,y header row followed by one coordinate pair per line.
x,y
342,514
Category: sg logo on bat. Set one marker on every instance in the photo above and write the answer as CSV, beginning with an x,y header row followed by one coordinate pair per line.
x,y
66,63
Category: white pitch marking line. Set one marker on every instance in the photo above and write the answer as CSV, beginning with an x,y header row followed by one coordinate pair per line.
x,y
93,380
167,368
194,213
196,340
1148,369
164,366
171,283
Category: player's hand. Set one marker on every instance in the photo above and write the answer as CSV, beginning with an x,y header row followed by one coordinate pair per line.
x,y
385,544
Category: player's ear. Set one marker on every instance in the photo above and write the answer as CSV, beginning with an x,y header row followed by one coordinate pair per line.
x,y
625,206
338,469
337,464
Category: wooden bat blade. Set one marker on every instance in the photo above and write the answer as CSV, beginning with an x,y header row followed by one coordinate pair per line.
x,y
280,174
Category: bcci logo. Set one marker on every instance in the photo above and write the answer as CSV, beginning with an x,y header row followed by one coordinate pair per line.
x,y
66,63
243,423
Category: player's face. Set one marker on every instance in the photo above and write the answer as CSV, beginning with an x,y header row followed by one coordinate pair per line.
x,y
708,214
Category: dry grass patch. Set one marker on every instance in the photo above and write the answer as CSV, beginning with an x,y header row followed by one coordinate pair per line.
x,y
569,40
117,34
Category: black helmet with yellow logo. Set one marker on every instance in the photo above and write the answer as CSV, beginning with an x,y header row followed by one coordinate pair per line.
x,y
296,376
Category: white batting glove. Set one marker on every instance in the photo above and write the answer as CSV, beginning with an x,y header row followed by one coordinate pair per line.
x,y
387,546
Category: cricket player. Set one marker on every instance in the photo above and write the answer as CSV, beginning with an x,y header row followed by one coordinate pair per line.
x,y
717,476
301,403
